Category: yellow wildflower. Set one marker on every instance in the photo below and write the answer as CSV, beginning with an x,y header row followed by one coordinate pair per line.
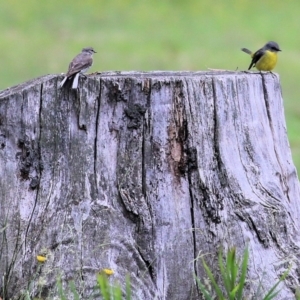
x,y
41,258
108,272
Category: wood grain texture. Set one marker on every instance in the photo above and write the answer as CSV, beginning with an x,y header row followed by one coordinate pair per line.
x,y
144,173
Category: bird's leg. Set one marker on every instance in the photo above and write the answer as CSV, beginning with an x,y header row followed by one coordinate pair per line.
x,y
83,75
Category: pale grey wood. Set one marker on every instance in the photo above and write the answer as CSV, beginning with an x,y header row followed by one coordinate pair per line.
x,y
143,173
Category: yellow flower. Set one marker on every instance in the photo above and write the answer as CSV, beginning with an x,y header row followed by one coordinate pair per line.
x,y
41,258
108,272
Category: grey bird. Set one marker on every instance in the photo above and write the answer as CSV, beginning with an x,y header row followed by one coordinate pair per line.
x,y
79,65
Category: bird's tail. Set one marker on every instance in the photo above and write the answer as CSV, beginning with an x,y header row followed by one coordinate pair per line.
x,y
75,82
247,51
63,82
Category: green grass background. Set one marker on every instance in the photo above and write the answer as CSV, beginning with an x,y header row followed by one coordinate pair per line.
x,y
41,37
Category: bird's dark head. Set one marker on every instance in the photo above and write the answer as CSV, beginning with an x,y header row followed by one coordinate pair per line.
x,y
89,50
272,46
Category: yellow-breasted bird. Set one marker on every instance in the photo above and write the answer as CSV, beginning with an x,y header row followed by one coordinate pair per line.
x,y
264,59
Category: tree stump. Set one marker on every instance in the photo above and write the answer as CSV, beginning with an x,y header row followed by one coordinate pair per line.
x,y
144,173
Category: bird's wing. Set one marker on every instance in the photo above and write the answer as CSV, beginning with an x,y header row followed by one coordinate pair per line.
x,y
256,57
80,62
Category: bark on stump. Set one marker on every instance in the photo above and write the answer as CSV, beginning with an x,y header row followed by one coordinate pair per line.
x,y
144,173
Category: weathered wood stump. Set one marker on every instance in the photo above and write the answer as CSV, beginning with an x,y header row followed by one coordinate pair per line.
x,y
144,173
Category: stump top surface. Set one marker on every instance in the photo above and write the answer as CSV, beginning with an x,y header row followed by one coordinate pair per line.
x,y
160,73
134,74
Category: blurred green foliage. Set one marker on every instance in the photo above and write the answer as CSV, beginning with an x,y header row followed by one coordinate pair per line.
x,y
41,37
